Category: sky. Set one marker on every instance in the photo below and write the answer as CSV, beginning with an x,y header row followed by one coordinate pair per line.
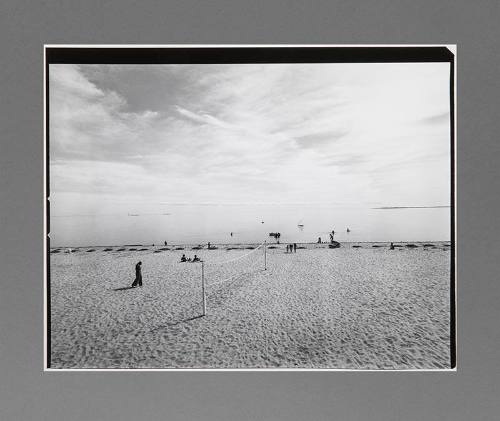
x,y
146,138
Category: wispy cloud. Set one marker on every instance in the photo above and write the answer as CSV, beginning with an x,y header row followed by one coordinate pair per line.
x,y
315,140
439,118
204,118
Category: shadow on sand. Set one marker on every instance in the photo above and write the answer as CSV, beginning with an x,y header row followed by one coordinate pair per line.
x,y
183,319
123,288
178,322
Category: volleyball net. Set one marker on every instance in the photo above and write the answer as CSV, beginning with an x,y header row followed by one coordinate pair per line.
x,y
216,275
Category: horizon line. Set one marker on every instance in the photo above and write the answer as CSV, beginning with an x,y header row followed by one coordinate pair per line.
x,y
243,204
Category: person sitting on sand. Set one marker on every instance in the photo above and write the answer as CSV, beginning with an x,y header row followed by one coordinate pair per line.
x,y
138,275
196,258
183,258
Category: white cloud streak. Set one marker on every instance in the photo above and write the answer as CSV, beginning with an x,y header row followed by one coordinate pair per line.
x,y
350,133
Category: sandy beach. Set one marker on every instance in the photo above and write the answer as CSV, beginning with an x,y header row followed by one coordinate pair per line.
x,y
353,307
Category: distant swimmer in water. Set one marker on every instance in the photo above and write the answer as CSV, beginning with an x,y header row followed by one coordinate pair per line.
x,y
319,240
231,234
183,258
165,242
348,230
138,275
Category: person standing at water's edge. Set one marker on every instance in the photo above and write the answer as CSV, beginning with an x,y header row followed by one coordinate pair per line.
x,y
138,275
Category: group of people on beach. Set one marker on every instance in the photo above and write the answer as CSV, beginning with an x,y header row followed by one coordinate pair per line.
x,y
290,248
138,269
332,235
188,259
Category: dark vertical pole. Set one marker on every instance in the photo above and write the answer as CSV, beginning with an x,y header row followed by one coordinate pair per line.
x,y
203,288
265,255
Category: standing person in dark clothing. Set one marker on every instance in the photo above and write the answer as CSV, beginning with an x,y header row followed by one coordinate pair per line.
x,y
138,275
295,247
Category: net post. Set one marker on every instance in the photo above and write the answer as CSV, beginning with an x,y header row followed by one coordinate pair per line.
x,y
265,255
203,288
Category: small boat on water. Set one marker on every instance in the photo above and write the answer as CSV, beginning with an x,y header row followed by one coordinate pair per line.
x,y
300,224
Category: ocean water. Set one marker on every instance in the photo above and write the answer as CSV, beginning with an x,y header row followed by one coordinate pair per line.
x,y
192,224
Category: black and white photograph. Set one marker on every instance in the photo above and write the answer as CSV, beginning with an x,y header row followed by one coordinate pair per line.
x,y
250,208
